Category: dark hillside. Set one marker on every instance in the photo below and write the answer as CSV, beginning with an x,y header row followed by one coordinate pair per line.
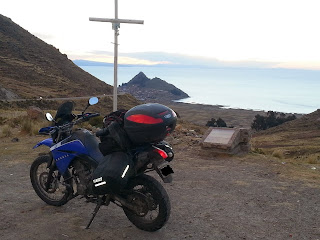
x,y
299,138
29,68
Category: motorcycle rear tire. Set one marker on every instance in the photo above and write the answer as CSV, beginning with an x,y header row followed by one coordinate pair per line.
x,y
38,181
151,189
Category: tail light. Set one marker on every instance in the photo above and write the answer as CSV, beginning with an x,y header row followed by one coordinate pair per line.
x,y
161,152
145,119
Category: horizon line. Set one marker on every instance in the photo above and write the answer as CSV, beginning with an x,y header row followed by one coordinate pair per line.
x,y
180,65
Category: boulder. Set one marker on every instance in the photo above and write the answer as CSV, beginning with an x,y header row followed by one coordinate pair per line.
x,y
35,113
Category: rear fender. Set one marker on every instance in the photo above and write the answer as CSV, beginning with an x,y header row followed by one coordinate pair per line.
x,y
165,171
162,167
47,142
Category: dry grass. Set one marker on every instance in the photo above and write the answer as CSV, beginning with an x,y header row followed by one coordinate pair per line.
x,y
295,144
6,131
17,123
286,146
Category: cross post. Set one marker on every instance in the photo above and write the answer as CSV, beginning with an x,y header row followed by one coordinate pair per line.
x,y
115,26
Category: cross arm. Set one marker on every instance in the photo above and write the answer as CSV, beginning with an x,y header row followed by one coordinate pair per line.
x,y
112,20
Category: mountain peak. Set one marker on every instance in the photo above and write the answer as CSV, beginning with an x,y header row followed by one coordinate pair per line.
x,y
140,79
154,89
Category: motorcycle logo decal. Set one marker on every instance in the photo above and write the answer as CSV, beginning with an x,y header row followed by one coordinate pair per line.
x,y
98,182
62,157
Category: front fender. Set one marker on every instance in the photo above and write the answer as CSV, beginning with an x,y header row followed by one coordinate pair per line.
x,y
47,142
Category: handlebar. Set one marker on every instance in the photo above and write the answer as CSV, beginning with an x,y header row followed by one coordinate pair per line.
x,y
86,117
90,115
83,118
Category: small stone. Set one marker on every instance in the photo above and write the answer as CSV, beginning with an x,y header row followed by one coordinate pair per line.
x,y
15,139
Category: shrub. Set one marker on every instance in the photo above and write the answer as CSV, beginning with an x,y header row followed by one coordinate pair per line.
x,y
271,120
221,123
30,127
277,154
26,127
2,120
216,123
259,151
17,121
6,131
96,121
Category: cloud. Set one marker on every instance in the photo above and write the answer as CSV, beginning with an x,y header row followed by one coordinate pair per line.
x,y
178,60
198,61
108,57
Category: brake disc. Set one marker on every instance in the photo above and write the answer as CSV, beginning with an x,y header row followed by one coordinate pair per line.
x,y
43,182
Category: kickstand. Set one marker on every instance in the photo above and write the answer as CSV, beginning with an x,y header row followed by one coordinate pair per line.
x,y
99,203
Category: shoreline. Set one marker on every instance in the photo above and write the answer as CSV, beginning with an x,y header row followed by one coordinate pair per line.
x,y
200,114
230,107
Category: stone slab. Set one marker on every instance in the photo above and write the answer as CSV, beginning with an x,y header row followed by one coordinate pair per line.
x,y
219,136
226,140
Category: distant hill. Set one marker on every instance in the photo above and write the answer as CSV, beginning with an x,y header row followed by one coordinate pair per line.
x,y
152,90
29,68
80,62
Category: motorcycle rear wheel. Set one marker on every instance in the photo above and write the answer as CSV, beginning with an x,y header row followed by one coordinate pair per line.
x,y
57,194
153,200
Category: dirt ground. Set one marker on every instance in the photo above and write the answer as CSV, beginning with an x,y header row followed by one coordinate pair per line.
x,y
248,197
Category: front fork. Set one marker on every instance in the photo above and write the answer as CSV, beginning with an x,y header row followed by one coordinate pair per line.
x,y
52,167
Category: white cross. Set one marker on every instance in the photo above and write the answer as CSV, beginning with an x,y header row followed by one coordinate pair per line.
x,y
115,26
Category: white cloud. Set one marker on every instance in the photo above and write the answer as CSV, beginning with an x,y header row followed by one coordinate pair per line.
x,y
231,30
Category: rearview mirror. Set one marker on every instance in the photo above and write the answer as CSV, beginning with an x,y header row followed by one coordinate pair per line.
x,y
93,101
49,117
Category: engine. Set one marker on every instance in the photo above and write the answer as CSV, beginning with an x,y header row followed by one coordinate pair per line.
x,y
83,176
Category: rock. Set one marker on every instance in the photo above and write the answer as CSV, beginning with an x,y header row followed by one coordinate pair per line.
x,y
227,140
35,113
15,139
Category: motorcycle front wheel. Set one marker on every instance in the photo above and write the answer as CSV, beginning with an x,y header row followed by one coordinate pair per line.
x,y
152,200
57,193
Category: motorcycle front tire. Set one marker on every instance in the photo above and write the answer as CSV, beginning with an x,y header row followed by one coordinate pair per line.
x,y
57,194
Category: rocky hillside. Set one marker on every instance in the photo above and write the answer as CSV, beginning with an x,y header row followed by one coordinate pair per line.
x,y
31,68
156,89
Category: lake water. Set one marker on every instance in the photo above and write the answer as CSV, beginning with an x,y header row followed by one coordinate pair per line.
x,y
283,90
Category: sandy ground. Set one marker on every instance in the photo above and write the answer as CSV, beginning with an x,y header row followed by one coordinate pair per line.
x,y
248,197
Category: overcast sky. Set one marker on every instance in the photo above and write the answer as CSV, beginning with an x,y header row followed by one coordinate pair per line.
x,y
282,31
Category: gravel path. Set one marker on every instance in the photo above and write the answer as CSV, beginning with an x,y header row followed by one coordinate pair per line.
x,y
212,198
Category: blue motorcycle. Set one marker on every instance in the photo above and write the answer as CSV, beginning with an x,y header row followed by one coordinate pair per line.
x,y
75,165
